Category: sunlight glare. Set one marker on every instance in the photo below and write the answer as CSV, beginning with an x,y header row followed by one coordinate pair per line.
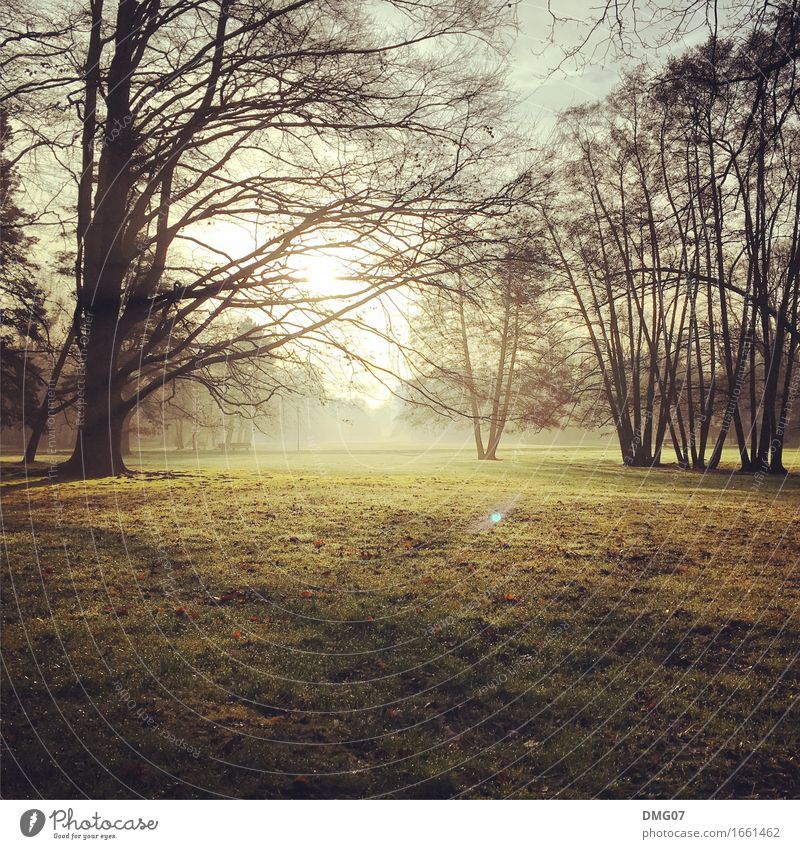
x,y
322,275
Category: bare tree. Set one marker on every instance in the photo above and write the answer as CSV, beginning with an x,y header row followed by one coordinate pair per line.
x,y
484,350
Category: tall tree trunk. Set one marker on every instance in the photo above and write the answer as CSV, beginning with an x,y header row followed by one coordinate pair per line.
x,y
495,427
502,418
727,347
790,311
106,259
45,411
475,413
125,438
84,208
98,447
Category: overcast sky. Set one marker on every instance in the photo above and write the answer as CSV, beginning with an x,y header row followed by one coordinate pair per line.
x,y
545,92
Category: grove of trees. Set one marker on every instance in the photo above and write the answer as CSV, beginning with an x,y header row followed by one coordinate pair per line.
x,y
674,221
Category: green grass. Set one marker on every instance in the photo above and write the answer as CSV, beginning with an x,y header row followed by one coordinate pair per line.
x,y
354,625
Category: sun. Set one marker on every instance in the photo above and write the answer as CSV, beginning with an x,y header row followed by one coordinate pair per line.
x,y
314,270
320,274
327,279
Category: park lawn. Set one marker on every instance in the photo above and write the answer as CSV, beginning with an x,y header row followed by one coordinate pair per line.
x,y
356,625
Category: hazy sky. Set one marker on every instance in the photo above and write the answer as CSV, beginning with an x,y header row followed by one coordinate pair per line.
x,y
543,95
545,92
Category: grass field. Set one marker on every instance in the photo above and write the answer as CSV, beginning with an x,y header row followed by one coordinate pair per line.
x,y
404,625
